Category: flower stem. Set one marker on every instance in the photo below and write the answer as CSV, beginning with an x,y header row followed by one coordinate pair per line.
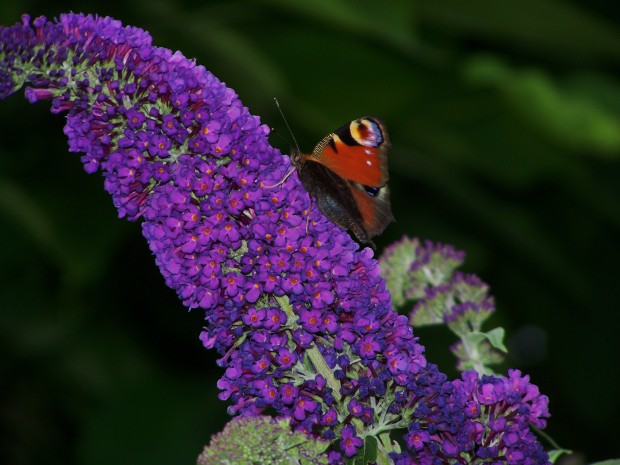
x,y
313,353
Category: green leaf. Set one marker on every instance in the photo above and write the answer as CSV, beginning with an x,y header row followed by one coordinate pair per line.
x,y
496,338
554,454
525,25
474,338
571,120
370,450
391,21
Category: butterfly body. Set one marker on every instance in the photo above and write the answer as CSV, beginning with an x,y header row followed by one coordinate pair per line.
x,y
347,175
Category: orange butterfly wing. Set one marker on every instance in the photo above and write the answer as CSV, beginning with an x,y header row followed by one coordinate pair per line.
x,y
376,211
356,151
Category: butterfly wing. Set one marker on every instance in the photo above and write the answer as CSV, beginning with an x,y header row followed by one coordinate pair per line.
x,y
333,195
374,207
363,210
357,151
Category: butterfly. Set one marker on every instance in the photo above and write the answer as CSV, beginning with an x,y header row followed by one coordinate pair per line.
x,y
347,175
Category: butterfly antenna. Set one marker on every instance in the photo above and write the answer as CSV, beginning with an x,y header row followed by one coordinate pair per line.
x,y
294,140
286,123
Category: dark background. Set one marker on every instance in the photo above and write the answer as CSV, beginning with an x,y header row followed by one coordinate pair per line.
x,y
505,123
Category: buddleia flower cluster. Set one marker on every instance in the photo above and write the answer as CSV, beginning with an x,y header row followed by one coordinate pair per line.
x,y
300,315
425,274
243,442
489,419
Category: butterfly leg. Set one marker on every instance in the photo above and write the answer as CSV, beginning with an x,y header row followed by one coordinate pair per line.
x,y
308,213
282,180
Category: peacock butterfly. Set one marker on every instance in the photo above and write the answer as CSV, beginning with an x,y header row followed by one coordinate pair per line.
x,y
347,174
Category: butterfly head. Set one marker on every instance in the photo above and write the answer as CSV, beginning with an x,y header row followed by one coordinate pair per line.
x,y
296,157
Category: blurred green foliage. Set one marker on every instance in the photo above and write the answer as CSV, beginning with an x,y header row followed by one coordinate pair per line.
x,y
505,123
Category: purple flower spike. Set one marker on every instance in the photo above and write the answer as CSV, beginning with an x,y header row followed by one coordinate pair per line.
x,y
495,429
301,316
